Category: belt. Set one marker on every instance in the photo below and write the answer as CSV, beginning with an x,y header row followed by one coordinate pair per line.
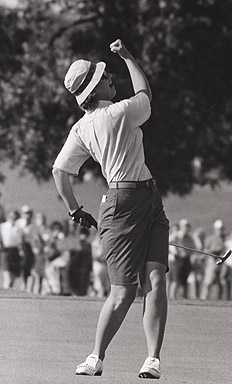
x,y
132,184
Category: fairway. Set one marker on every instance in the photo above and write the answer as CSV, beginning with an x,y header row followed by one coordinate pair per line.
x,y
42,340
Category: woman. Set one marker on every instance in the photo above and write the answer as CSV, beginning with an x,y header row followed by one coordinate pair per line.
x,y
11,240
132,223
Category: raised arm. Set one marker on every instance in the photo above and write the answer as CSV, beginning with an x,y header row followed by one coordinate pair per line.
x,y
138,78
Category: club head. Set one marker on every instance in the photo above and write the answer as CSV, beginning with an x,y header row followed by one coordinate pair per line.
x,y
224,258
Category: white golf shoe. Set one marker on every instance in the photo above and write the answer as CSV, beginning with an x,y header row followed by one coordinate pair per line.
x,y
92,366
150,369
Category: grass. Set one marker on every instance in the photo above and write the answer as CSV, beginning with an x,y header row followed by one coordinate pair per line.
x,y
42,340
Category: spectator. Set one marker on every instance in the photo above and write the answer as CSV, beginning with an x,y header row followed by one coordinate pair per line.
x,y
197,260
71,244
2,220
11,238
54,250
2,212
172,276
183,265
215,243
81,265
30,232
101,282
41,223
37,271
39,247
228,263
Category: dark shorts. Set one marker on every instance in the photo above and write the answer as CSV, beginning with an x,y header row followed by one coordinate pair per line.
x,y
134,230
28,259
11,261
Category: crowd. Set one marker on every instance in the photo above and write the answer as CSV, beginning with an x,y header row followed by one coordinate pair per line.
x,y
65,259
197,276
60,259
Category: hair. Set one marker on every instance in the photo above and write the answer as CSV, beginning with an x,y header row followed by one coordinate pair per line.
x,y
91,102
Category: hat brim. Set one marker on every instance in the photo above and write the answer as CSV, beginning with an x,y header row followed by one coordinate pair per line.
x,y
100,67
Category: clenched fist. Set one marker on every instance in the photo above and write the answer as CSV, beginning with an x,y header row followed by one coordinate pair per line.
x,y
118,47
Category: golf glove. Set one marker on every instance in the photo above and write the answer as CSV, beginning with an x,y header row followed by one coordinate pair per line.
x,y
83,218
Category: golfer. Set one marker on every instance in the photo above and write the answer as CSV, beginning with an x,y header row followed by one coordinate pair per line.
x,y
131,222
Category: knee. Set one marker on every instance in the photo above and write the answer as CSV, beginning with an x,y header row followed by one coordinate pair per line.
x,y
156,283
123,296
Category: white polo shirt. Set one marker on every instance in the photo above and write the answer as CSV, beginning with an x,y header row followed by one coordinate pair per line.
x,y
10,235
112,136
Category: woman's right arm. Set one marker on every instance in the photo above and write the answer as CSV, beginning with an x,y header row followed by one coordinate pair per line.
x,y
64,187
138,78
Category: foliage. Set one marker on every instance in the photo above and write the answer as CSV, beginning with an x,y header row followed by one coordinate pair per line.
x,y
184,47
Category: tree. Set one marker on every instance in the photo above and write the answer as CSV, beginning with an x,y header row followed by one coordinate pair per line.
x,y
184,46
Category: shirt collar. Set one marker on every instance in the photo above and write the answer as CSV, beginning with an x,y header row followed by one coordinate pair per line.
x,y
101,104
104,103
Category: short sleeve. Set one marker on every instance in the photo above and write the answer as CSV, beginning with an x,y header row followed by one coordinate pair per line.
x,y
72,155
137,109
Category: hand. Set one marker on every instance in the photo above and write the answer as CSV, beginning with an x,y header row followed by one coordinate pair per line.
x,y
83,218
118,47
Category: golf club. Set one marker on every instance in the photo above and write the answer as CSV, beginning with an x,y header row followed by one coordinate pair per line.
x,y
222,258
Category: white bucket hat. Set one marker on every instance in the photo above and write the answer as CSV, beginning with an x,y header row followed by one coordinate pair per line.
x,y
83,75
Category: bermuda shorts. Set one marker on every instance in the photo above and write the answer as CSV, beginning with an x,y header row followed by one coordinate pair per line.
x,y
11,261
134,229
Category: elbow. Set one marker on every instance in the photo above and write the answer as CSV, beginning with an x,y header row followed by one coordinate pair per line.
x,y
56,173
148,93
60,176
60,179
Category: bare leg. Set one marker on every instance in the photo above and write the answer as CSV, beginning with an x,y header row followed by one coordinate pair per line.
x,y
24,280
30,282
223,283
112,315
7,279
155,306
208,279
173,290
